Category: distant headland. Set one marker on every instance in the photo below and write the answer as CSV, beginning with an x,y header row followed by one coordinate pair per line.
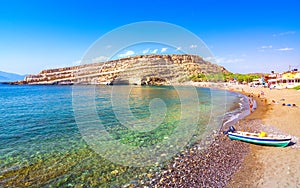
x,y
10,77
137,70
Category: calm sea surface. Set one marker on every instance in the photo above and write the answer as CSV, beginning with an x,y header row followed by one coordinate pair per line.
x,y
41,143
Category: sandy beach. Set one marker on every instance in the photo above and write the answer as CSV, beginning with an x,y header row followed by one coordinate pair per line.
x,y
271,166
237,164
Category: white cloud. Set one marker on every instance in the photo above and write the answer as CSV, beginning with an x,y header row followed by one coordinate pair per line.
x,y
154,51
284,33
263,48
163,50
193,46
178,48
146,51
128,53
219,60
100,59
285,49
266,47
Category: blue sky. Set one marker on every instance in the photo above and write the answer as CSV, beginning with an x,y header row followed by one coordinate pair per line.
x,y
244,36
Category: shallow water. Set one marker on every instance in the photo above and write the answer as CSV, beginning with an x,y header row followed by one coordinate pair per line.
x,y
43,129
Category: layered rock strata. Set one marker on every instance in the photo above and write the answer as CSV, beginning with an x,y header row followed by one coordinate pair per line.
x,y
146,69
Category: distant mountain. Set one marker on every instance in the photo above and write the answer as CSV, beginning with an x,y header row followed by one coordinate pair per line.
x,y
10,77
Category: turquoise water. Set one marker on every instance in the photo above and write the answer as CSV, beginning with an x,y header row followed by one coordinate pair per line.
x,y
41,143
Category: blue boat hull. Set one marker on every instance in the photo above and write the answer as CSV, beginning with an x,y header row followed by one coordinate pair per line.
x,y
282,142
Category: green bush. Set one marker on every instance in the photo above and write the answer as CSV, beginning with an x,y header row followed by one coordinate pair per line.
x,y
297,87
221,77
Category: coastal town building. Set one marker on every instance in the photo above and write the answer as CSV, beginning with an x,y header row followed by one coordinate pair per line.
x,y
289,79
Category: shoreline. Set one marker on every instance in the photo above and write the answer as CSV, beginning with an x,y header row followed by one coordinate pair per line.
x,y
250,163
226,163
213,166
245,165
271,166
206,162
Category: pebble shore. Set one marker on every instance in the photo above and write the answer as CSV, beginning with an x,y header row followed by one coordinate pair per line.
x,y
212,167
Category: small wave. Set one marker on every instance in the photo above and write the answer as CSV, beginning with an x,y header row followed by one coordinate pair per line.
x,y
243,110
231,119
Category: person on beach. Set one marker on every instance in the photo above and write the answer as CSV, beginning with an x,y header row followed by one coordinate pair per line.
x,y
250,100
269,85
251,106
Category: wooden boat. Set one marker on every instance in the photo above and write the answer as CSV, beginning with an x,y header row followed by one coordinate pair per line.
x,y
260,138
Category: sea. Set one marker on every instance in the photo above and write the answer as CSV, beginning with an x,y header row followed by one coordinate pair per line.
x,y
104,136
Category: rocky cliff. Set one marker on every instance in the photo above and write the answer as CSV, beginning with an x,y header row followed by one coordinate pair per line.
x,y
146,69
